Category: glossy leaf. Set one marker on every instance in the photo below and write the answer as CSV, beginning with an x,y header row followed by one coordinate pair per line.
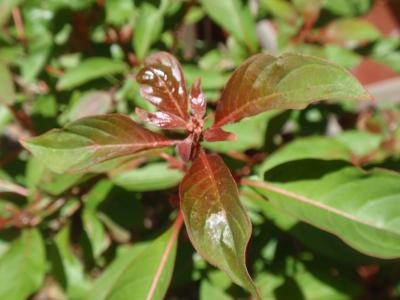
x,y
235,18
215,219
7,94
154,176
142,273
91,140
360,208
197,100
23,266
160,119
163,84
290,81
89,69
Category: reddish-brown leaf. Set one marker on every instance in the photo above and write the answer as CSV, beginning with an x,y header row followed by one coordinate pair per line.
x,y
216,221
290,81
91,140
163,84
197,100
160,119
216,134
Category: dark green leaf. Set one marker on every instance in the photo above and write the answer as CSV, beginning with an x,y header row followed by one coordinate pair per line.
x,y
360,208
142,273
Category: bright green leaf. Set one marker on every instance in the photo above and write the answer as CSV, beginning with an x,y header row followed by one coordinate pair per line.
x,y
235,18
154,176
147,29
89,69
22,267
317,147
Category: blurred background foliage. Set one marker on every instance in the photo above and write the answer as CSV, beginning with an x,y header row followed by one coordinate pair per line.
x,y
61,60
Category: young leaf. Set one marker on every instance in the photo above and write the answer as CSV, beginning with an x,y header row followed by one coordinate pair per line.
x,y
143,274
163,84
360,208
197,100
23,266
290,81
160,119
90,69
216,221
9,187
91,140
7,94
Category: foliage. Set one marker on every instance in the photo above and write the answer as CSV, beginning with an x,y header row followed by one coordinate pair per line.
x,y
249,163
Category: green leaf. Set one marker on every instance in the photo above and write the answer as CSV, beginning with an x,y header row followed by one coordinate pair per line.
x,y
91,140
360,208
154,176
235,18
317,147
118,12
351,30
92,225
147,30
314,284
348,8
215,219
209,291
22,267
6,7
90,104
360,142
244,141
142,273
7,94
290,81
66,267
282,9
89,69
